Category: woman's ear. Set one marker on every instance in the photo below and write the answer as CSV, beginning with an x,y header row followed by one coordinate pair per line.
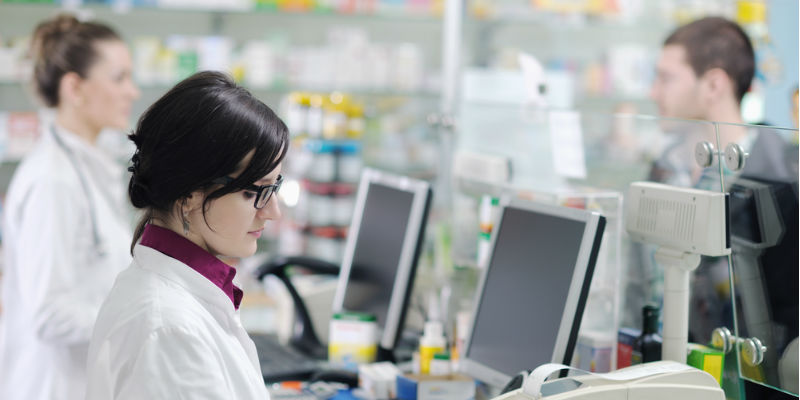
x,y
193,202
69,89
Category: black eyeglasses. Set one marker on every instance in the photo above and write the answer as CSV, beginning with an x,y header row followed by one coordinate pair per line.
x,y
263,193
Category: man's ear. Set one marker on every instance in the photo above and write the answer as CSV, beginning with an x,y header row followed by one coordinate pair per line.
x,y
69,89
717,84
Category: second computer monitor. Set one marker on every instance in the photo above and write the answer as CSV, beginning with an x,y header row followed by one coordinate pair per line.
x,y
382,248
532,294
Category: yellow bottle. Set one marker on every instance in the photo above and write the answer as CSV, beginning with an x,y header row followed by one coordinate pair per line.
x,y
432,342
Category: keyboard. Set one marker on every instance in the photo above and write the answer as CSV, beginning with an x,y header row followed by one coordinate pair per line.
x,y
281,362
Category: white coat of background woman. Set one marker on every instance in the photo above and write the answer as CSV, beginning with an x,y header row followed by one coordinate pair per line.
x,y
65,232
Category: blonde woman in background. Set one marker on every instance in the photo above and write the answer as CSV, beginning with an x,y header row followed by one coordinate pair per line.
x,y
65,235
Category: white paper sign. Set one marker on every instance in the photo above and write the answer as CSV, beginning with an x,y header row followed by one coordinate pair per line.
x,y
566,144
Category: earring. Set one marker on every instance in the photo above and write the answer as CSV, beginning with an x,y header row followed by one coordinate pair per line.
x,y
185,224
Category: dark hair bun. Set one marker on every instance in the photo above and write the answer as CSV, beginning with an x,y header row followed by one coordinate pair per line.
x,y
139,192
138,189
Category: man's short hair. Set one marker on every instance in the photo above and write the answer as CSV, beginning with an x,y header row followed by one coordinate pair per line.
x,y
715,42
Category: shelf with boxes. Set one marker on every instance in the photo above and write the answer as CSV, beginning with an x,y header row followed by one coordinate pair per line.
x,y
20,87
351,62
327,187
325,161
334,135
406,9
270,52
600,55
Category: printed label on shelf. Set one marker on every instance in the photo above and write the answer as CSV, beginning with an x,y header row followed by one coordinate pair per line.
x,y
566,143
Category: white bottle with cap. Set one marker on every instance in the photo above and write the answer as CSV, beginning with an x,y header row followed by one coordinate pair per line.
x,y
432,342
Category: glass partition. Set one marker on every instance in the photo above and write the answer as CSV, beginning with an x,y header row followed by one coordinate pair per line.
x,y
604,153
589,160
760,173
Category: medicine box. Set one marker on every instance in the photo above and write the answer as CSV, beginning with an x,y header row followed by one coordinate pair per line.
x,y
430,387
593,352
625,338
379,380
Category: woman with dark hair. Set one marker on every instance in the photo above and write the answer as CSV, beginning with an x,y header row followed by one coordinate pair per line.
x,y
205,174
65,235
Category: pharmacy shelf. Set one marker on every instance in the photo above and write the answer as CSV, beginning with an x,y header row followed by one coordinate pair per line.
x,y
123,9
574,21
277,89
18,96
527,16
283,30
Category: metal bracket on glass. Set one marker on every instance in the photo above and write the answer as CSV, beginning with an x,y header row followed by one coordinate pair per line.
x,y
723,339
448,122
752,349
735,157
434,119
704,153
444,121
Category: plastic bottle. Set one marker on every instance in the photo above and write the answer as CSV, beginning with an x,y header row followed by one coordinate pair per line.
x,y
355,121
647,347
432,342
463,320
488,213
314,114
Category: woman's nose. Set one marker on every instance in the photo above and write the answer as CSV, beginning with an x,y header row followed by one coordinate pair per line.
x,y
272,210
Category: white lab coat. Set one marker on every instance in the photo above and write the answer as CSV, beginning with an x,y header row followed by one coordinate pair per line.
x,y
54,280
167,332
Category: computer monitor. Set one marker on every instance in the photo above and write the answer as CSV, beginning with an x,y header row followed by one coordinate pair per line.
x,y
382,249
531,295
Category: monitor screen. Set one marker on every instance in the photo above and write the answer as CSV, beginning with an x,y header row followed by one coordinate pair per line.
x,y
382,249
533,290
377,250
